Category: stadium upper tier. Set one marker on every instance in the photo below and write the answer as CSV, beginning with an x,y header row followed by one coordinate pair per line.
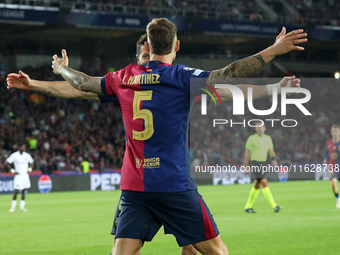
x,y
317,12
320,12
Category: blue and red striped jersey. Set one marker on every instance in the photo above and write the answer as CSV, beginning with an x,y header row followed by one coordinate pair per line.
x,y
155,101
332,153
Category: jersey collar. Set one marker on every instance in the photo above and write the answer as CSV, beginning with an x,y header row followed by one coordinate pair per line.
x,y
154,63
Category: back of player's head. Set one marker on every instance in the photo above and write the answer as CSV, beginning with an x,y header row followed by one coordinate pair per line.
x,y
161,36
140,43
335,126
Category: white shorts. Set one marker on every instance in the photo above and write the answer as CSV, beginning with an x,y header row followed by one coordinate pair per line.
x,y
21,181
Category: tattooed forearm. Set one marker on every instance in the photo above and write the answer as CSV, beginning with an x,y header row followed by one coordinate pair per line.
x,y
248,66
239,69
82,81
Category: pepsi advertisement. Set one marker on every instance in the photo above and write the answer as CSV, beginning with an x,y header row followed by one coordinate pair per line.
x,y
56,183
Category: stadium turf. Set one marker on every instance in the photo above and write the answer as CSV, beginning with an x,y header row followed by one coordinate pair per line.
x,y
79,223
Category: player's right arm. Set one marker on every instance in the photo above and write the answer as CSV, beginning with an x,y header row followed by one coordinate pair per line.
x,y
246,161
78,80
326,156
52,88
9,164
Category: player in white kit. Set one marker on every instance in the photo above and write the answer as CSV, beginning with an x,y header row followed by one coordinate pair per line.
x,y
20,163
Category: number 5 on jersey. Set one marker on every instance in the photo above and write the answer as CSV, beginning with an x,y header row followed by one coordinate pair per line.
x,y
144,114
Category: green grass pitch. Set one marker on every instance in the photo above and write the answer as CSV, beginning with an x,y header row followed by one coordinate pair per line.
x,y
79,223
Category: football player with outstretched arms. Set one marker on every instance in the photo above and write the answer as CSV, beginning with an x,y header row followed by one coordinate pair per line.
x,y
281,46
243,68
64,90
157,188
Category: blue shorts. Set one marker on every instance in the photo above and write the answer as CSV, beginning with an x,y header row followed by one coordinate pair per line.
x,y
117,214
334,174
183,214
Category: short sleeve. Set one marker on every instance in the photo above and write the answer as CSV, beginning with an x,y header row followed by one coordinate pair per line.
x,y
112,80
108,99
270,142
109,84
194,80
30,159
10,159
105,85
248,143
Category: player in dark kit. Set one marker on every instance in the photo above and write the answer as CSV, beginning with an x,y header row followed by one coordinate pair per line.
x,y
155,104
332,158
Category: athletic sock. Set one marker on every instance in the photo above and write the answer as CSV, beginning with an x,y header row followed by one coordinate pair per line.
x,y
14,203
268,195
252,197
336,195
22,204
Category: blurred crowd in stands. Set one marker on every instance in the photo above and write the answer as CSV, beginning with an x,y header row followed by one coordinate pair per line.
x,y
227,10
309,12
318,12
63,133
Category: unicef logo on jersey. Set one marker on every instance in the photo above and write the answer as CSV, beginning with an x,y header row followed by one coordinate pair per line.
x,y
45,184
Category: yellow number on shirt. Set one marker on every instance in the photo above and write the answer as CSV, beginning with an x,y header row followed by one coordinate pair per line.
x,y
144,114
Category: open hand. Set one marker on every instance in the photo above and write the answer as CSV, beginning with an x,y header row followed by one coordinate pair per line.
x,y
59,63
290,81
19,81
285,43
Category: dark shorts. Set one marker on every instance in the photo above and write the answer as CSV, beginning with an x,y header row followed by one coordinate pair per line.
x,y
257,172
117,214
335,175
183,214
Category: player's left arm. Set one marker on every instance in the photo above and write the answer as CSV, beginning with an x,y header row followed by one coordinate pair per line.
x,y
30,163
78,80
260,91
247,157
272,156
246,67
30,167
